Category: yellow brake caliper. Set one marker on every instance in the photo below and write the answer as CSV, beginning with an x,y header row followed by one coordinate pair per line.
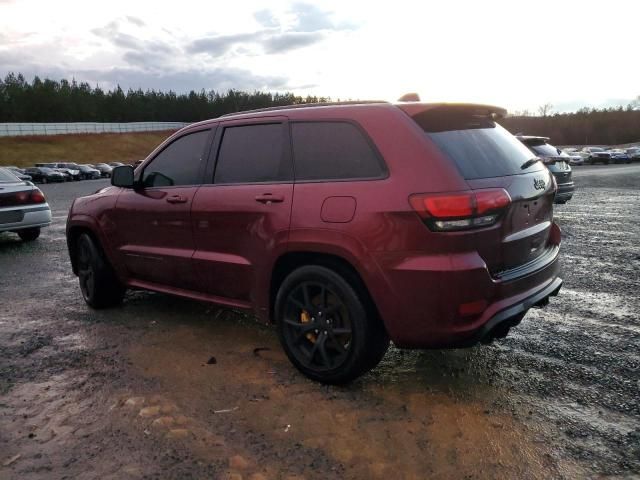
x,y
306,318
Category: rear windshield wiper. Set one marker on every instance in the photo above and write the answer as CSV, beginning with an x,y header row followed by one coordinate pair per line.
x,y
528,163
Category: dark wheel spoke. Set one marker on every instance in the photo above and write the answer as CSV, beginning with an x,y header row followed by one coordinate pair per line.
x,y
298,304
305,293
322,347
342,331
339,346
302,329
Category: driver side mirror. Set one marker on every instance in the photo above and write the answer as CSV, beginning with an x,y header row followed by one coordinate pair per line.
x,y
122,176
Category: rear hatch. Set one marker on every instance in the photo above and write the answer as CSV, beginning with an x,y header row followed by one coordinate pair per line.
x,y
492,161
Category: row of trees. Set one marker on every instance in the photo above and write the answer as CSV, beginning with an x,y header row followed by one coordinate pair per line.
x,y
63,101
612,126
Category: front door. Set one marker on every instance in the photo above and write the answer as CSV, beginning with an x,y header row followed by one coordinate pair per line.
x,y
153,222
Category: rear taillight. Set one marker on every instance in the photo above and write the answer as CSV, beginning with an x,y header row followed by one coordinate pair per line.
x,y
461,211
25,197
36,196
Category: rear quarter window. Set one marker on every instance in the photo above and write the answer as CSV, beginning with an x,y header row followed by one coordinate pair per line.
x,y
333,150
478,146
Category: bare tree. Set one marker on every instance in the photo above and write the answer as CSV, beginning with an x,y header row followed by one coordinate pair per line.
x,y
545,110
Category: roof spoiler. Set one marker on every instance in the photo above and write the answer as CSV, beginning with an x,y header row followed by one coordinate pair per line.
x,y
479,110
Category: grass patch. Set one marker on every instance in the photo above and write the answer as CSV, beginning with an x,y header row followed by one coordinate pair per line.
x,y
80,148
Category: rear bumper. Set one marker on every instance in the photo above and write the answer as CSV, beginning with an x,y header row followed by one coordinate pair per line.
x,y
565,192
512,315
39,216
424,296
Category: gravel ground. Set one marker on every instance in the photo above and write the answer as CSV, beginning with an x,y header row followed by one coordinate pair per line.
x,y
167,388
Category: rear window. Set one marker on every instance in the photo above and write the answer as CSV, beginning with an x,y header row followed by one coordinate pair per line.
x,y
332,151
253,154
546,150
479,147
7,177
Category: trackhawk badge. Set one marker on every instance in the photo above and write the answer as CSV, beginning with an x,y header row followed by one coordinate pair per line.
x,y
538,184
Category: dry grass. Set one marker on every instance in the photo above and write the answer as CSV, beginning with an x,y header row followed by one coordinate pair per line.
x,y
79,148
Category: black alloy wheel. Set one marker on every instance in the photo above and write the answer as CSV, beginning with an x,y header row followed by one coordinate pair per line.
x,y
326,327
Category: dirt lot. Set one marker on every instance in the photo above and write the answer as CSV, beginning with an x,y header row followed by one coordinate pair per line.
x,y
167,388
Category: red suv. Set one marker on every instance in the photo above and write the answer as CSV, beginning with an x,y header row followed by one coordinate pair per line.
x,y
346,225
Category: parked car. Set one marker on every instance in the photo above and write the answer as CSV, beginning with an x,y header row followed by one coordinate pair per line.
x,y
19,172
23,207
556,161
104,169
66,173
575,159
44,174
116,164
88,173
593,155
634,153
70,168
619,156
426,224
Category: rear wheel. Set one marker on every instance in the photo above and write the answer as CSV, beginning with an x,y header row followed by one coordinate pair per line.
x,y
98,282
325,327
29,234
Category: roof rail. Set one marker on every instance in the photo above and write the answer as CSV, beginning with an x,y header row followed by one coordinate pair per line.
x,y
305,105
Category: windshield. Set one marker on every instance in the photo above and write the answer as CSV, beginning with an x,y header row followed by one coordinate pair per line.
x,y
596,149
7,177
479,147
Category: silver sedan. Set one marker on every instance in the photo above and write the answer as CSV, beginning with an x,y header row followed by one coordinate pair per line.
x,y
23,208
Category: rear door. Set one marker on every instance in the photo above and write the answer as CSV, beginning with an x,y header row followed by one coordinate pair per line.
x,y
241,216
153,222
488,156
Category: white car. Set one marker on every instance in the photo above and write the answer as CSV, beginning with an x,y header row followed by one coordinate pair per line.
x,y
23,208
574,157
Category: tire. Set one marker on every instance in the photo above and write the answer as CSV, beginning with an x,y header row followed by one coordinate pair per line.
x,y
44,179
98,282
29,234
347,342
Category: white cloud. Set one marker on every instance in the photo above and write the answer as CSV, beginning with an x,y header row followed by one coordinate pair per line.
x,y
518,55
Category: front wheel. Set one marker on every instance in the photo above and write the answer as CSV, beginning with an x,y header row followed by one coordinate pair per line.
x,y
98,282
29,234
326,327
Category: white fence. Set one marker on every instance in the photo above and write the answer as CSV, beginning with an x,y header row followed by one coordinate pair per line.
x,y
17,129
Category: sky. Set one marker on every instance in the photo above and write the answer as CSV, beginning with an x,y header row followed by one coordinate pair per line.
x,y
517,54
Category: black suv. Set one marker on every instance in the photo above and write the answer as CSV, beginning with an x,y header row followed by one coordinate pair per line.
x,y
556,161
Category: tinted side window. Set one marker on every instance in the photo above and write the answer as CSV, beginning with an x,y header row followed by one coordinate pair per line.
x,y
253,153
332,150
179,163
